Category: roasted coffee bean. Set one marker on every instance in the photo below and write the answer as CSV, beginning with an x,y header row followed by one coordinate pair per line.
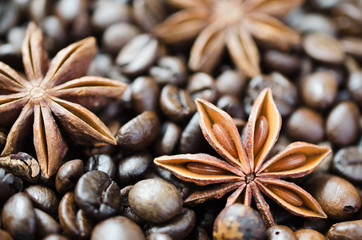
x,y
354,85
9,185
102,163
101,65
319,90
117,35
18,217
22,165
177,227
2,139
127,211
232,105
338,197
108,12
55,237
308,234
45,224
314,22
282,62
148,13
145,94
280,232
159,236
73,220
307,125
171,70
342,124
191,137
15,37
352,46
320,225
138,54
231,82
323,47
55,30
155,200
43,198
68,175
348,163
68,11
39,9
176,103
167,139
117,228
139,132
133,167
97,195
202,85
284,92
349,230
238,222
5,235
9,15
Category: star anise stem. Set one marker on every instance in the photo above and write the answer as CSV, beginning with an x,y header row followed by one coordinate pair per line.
x,y
263,206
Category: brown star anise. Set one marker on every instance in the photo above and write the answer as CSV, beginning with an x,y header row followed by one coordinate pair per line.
x,y
246,170
232,23
49,100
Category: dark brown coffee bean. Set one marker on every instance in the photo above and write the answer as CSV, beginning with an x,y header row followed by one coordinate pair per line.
x,y
145,94
127,211
158,236
55,30
18,217
280,232
354,85
176,103
117,228
320,225
43,198
155,200
323,47
117,35
21,165
306,125
282,62
45,224
342,124
9,15
102,163
55,237
148,13
284,92
349,230
5,235
238,222
171,70
202,85
97,195
73,220
308,234
108,12
9,185
167,139
348,163
138,54
338,197
133,167
232,105
177,227
68,175
231,82
191,138
352,46
101,65
139,132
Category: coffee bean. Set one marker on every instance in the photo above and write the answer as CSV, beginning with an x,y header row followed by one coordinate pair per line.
x,y
155,200
139,132
307,234
158,236
68,175
320,225
314,22
349,230
45,224
102,163
9,185
108,12
171,70
167,139
43,198
117,35
354,85
22,165
148,13
127,211
352,46
55,30
191,138
202,85
231,82
280,232
133,167
55,237
9,15
145,94
348,163
342,125
282,62
97,195
232,105
117,228
238,222
307,125
5,235
176,103
101,65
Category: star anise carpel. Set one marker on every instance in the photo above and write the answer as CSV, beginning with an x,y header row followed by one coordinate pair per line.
x,y
230,23
53,100
246,170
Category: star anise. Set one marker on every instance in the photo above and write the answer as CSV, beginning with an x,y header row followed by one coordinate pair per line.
x,y
230,23
246,170
50,102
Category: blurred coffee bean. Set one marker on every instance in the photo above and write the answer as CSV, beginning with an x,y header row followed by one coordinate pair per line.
x,y
102,163
354,85
338,197
139,132
178,227
167,139
108,12
347,162
176,103
324,4
171,70
148,13
43,198
280,232
69,10
191,137
117,35
231,82
352,46
277,61
39,9
18,217
232,105
5,235
159,236
202,85
15,37
97,195
138,54
9,185
238,221
101,65
45,224
55,31
308,234
319,90
347,17
68,175
145,94
55,237
349,230
314,22
342,124
284,92
323,47
9,15
133,167
155,200
73,220
306,125
117,228
2,138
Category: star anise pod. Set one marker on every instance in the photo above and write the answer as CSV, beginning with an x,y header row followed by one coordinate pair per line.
x,y
230,23
246,170
51,100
